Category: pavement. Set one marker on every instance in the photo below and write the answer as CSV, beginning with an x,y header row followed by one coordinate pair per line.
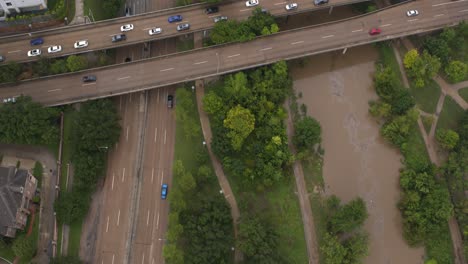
x,y
79,18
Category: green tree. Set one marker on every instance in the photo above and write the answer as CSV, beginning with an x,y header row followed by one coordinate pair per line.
x,y
307,133
456,71
41,67
241,123
411,58
71,206
385,82
332,250
37,171
380,109
356,248
58,66
421,67
402,101
10,72
447,138
24,247
172,254
438,47
187,182
77,63
349,217
398,129
212,103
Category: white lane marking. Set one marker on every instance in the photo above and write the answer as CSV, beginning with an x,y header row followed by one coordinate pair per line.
x,y
282,3
386,25
147,28
157,223
328,36
297,42
243,10
357,30
165,136
269,48
143,260
123,175
118,218
411,20
181,22
113,256
438,15
126,137
123,78
213,16
449,3
87,84
155,133
201,62
162,177
14,51
54,90
464,10
152,174
107,225
232,56
112,187
168,69
147,218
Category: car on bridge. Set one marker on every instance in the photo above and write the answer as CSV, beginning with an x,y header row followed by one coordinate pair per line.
x,y
2,58
220,18
164,188
170,101
155,31
176,18
126,27
81,44
412,13
184,26
34,53
119,37
36,41
89,78
320,2
375,31
292,6
211,10
251,3
54,49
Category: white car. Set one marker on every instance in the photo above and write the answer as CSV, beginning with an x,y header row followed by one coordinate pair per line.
x,y
34,53
292,6
127,27
81,44
155,31
412,13
251,3
54,49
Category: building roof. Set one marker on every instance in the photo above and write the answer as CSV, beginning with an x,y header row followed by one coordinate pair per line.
x,y
12,182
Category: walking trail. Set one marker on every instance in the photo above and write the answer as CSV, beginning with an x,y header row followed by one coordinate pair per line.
x,y
429,140
79,13
206,128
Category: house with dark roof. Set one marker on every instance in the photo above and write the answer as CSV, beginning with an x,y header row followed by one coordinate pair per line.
x,y
17,189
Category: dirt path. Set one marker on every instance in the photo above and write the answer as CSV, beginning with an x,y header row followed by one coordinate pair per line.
x,y
460,85
304,202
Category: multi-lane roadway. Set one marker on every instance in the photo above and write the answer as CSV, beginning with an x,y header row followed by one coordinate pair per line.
x,y
196,64
98,35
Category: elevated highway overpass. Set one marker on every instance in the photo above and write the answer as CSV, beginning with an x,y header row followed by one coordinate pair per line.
x,y
98,35
217,60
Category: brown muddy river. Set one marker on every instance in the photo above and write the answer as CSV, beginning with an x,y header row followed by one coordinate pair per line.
x,y
336,89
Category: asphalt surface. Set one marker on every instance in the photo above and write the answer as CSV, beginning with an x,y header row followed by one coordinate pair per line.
x,y
15,48
196,64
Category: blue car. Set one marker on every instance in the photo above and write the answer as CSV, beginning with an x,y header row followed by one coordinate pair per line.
x,y
164,191
175,18
37,41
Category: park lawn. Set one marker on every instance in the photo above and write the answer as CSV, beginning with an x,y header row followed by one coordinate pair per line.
x,y
96,8
450,115
415,148
427,122
464,93
74,238
387,58
7,253
184,43
427,97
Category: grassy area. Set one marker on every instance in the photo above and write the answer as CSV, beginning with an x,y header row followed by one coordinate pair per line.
x,y
439,246
7,253
387,58
450,115
464,93
427,97
415,149
96,8
74,238
427,122
184,43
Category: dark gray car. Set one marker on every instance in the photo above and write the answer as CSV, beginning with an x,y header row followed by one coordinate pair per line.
x,y
320,2
118,37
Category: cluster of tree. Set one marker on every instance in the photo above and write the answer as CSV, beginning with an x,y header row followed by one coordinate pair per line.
x,y
421,68
200,224
247,122
10,72
96,130
73,63
28,122
450,47
307,133
344,241
455,171
258,24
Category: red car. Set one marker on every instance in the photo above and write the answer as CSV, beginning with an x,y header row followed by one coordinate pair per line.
x,y
375,31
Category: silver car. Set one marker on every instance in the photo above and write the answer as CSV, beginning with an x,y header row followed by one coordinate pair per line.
x,y
220,18
183,26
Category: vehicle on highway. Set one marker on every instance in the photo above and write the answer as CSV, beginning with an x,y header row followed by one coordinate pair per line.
x,y
212,9
126,27
119,37
375,31
412,13
54,49
36,41
220,18
251,3
320,2
34,53
292,6
89,78
81,44
184,26
128,11
164,188
9,100
2,58
170,101
175,18
155,31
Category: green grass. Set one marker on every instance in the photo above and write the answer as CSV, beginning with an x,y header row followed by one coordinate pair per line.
x,y
439,246
427,122
464,93
74,238
7,253
415,150
450,115
96,8
427,97
184,44
387,58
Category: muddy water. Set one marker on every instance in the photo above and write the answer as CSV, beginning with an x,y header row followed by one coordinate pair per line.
x,y
336,89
